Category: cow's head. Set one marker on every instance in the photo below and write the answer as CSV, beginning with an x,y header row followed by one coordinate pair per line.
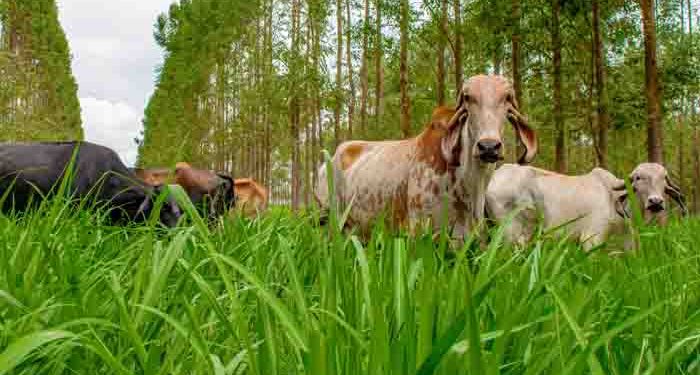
x,y
651,183
476,129
170,211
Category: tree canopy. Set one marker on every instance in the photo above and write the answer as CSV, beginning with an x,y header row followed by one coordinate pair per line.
x,y
259,88
38,93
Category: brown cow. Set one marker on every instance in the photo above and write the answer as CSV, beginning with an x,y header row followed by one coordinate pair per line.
x,y
251,197
454,156
200,184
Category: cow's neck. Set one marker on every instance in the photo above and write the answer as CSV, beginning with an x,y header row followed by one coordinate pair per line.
x,y
470,182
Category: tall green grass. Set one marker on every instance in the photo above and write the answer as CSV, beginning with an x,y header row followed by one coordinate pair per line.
x,y
280,295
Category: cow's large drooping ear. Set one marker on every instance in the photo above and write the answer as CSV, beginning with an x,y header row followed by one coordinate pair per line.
x,y
526,135
621,206
450,143
674,192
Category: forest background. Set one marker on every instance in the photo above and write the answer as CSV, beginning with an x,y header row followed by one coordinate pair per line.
x,y
259,88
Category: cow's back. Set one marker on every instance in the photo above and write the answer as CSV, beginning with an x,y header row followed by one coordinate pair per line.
x,y
251,197
374,177
31,166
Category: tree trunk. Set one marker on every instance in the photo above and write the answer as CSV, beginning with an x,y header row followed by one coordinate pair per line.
x,y
351,82
691,115
364,72
403,72
515,58
338,72
442,44
560,158
459,69
294,107
655,150
515,68
315,138
601,94
379,65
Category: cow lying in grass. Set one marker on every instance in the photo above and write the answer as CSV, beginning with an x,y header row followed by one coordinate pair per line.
x,y
587,207
29,171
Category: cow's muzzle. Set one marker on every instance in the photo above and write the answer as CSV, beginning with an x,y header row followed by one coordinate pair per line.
x,y
489,150
655,204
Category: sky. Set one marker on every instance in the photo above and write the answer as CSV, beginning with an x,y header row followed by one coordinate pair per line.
x,y
114,61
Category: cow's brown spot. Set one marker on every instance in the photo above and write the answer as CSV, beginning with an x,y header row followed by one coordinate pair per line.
x,y
399,206
435,188
416,203
350,155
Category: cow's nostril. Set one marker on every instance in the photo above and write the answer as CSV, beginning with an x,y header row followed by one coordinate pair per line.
x,y
655,201
489,145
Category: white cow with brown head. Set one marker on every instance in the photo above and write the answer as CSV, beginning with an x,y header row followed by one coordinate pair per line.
x,y
454,157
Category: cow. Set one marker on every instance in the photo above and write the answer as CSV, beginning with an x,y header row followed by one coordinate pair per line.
x,y
587,207
650,183
251,197
213,193
30,171
153,177
452,158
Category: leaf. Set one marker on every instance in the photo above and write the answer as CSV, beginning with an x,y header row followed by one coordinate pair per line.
x,y
22,347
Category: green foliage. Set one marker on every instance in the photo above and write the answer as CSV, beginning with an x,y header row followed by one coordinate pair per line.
x,y
282,296
196,36
38,93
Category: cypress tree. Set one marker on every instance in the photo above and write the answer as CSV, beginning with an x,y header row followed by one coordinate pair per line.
x,y
38,95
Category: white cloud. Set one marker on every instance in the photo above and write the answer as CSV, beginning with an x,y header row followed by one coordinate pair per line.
x,y
112,124
114,57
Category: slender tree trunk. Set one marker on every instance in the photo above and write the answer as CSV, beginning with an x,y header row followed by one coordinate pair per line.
x,y
338,72
515,58
379,65
601,94
403,71
459,69
316,58
691,115
681,140
351,81
442,44
515,67
560,147
497,60
655,150
294,108
364,72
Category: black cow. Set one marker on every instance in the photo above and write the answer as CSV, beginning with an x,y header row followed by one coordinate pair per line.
x,y
98,174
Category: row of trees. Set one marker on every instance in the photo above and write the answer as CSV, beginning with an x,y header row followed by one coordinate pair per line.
x,y
259,88
38,94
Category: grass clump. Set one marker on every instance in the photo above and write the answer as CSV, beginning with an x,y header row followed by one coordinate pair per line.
x,y
280,295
